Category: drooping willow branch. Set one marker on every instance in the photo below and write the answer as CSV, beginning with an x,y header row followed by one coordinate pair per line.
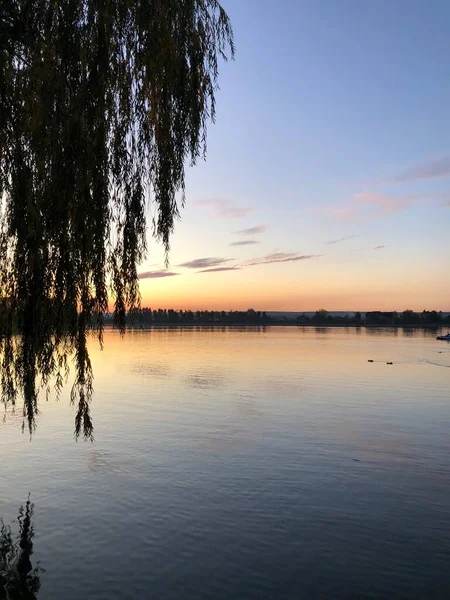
x,y
102,102
18,578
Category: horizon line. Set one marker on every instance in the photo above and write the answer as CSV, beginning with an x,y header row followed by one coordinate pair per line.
x,y
292,311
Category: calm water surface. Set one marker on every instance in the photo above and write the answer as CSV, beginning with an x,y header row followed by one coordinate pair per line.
x,y
245,464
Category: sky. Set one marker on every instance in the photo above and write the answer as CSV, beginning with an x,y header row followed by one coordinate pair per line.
x,y
327,178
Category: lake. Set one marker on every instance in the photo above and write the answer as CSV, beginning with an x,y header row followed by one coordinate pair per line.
x,y
244,463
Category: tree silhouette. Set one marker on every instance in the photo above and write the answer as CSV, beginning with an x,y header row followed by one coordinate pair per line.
x,y
18,578
101,105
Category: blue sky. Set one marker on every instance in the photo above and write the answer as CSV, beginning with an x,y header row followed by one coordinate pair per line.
x,y
332,125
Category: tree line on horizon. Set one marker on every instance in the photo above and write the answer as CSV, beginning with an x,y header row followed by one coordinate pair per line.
x,y
407,318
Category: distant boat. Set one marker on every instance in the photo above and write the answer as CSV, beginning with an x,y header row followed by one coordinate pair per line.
x,y
444,337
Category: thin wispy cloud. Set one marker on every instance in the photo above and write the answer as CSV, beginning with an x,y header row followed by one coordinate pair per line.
x,y
386,204
245,243
372,204
216,265
219,269
379,247
226,208
339,240
280,257
156,274
345,212
252,230
435,169
205,263
446,204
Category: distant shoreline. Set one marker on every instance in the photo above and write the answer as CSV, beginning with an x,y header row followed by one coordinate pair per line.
x,y
136,327
147,319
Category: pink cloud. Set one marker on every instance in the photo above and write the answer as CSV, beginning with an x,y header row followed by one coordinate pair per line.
x,y
386,204
373,203
346,211
226,208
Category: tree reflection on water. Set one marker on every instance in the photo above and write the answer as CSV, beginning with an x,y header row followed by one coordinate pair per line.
x,y
18,579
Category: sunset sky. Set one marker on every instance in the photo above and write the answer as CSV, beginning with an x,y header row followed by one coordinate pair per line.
x,y
327,180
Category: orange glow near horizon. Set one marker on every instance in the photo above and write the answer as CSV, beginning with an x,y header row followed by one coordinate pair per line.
x,y
240,291
346,276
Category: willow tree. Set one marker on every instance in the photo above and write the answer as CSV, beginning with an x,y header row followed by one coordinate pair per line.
x,y
18,578
102,104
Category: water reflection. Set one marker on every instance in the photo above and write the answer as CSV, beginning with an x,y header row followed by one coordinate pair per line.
x,y
106,463
29,370
336,463
220,342
18,579
248,406
409,333
157,329
377,330
152,369
205,381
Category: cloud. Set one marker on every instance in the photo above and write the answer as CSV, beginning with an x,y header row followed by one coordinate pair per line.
x,y
252,230
217,269
345,212
446,204
435,169
368,203
386,204
204,263
339,240
226,208
280,257
378,247
245,243
156,274
216,265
